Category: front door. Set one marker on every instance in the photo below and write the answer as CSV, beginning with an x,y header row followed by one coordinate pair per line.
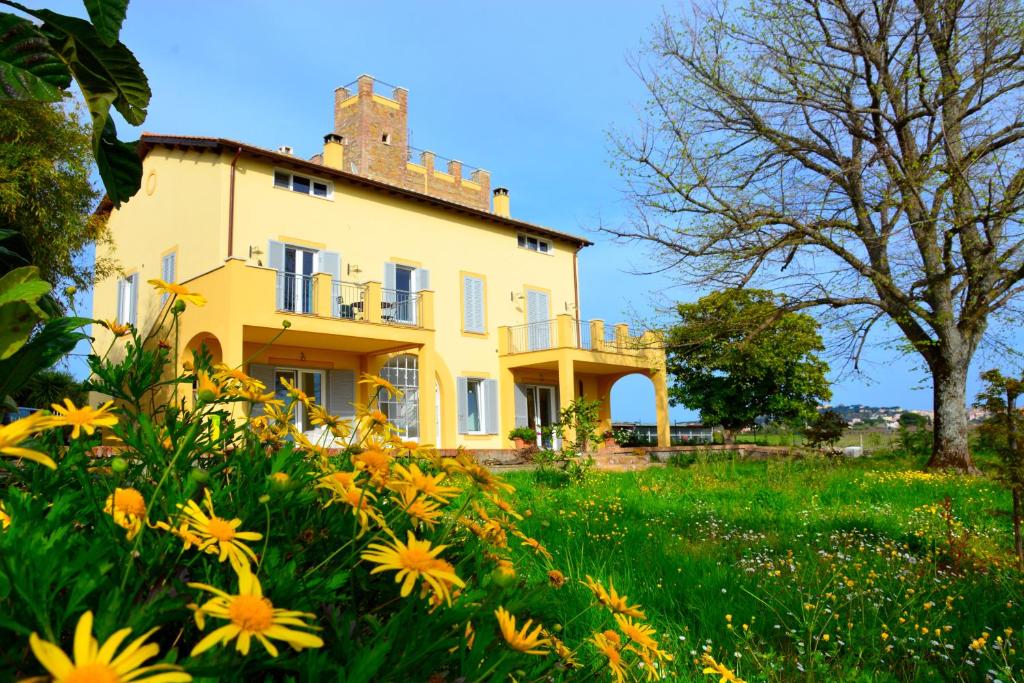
x,y
298,279
404,296
538,325
542,413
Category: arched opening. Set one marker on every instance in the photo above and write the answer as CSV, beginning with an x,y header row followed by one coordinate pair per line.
x,y
403,411
212,344
640,400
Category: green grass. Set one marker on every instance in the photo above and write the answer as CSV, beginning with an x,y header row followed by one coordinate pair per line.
x,y
835,567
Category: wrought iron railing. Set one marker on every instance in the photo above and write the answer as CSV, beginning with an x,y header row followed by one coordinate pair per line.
x,y
399,307
348,300
296,293
577,334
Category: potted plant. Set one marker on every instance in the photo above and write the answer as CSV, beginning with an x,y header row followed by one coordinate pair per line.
x,y
520,436
609,438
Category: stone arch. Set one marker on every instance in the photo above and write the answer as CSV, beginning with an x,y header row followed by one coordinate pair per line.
x,y
213,345
658,396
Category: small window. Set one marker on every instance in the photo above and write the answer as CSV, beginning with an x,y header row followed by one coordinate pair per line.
x,y
300,184
474,406
168,272
319,189
386,138
127,299
534,244
282,179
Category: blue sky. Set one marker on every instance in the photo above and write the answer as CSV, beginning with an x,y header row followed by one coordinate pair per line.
x,y
528,90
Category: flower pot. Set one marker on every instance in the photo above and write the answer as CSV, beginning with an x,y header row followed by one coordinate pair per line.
x,y
519,443
610,443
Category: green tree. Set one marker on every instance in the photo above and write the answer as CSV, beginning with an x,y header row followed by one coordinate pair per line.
x,y
826,428
47,387
909,419
863,157
1003,431
45,192
736,355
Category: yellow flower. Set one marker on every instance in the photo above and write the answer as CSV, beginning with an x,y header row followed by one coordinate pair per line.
x,y
420,509
343,489
117,328
381,383
521,640
612,600
714,668
5,519
179,292
608,644
14,433
206,388
251,615
427,484
82,419
128,508
411,560
376,462
556,578
642,635
533,543
484,479
339,428
95,662
216,534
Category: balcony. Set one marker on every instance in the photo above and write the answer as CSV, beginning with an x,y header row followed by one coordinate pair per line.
x,y
362,302
566,332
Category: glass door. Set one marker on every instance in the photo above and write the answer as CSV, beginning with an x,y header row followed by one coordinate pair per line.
x,y
404,309
310,382
542,413
298,279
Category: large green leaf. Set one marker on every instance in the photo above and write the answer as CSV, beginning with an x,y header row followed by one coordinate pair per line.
x,y
107,16
119,165
29,68
55,340
22,284
106,74
20,291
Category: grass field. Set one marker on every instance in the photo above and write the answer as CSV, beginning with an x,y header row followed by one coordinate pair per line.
x,y
865,570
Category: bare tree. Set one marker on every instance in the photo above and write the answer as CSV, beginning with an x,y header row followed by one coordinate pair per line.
x,y
864,157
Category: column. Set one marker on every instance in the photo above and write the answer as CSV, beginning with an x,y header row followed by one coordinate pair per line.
x,y
566,391
604,394
428,397
506,401
661,407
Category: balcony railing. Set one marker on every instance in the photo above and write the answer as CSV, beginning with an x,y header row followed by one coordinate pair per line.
x,y
568,332
296,293
366,301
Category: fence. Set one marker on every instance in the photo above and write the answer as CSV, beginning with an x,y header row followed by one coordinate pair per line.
x,y
578,334
399,307
348,300
296,293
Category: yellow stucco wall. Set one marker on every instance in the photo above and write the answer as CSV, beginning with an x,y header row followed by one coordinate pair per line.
x,y
184,205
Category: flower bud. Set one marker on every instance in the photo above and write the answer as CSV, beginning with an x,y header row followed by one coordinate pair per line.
x,y
119,465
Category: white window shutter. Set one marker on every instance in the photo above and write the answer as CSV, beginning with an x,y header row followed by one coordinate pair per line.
x,y
341,393
167,273
275,259
330,263
119,311
491,406
133,300
462,395
522,411
467,304
422,279
390,278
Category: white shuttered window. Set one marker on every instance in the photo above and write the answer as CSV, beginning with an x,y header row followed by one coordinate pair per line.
x,y
473,304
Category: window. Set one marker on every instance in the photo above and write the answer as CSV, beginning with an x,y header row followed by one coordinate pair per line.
x,y
303,184
310,382
478,405
534,244
386,138
404,413
127,299
168,271
474,406
473,304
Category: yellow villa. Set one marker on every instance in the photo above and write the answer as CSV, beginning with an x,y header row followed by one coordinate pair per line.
x,y
384,260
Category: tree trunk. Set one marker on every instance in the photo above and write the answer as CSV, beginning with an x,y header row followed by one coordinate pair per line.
x,y
949,401
728,435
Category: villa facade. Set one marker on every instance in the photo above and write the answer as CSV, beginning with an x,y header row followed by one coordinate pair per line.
x,y
384,260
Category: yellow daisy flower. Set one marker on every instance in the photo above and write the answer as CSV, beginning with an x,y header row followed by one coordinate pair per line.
x,y
178,291
412,560
339,428
206,388
381,383
427,484
419,509
5,519
715,669
521,640
94,662
252,615
117,328
533,543
219,535
642,635
612,600
14,433
608,644
128,508
82,419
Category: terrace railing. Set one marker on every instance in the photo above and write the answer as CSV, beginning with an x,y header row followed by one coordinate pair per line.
x,y
568,332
